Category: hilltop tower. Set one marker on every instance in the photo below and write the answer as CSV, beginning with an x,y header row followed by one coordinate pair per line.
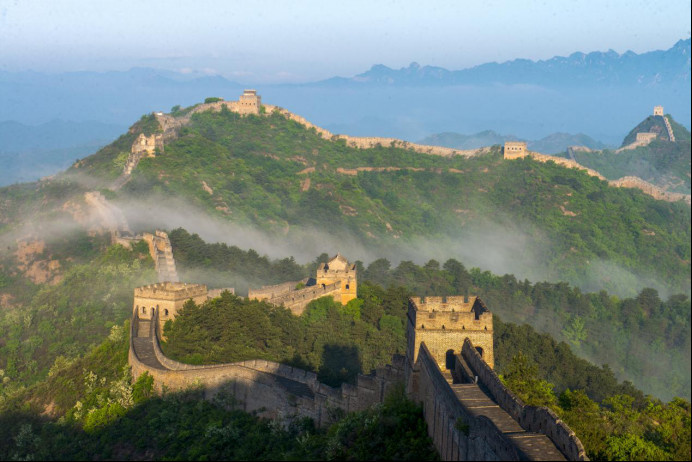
x,y
658,111
249,102
443,323
515,149
338,269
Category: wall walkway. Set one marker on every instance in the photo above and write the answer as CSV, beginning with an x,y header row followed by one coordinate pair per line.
x,y
465,423
271,389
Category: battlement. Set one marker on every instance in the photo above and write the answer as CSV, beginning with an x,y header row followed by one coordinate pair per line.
x,y
171,291
515,149
443,323
453,312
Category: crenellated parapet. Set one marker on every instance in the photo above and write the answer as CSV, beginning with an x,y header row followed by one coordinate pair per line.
x,y
443,323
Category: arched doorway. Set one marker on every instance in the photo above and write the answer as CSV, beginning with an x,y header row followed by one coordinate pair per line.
x,y
480,351
449,360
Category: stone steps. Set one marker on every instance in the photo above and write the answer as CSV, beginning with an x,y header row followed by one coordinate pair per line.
x,y
535,446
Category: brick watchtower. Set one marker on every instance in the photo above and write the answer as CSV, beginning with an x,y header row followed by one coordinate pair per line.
x,y
338,269
444,323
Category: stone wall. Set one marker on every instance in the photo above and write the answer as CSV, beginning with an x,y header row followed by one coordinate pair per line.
x,y
370,142
269,292
442,410
273,390
531,418
161,252
650,189
296,300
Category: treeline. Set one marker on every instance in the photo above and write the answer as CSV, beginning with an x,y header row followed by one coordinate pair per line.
x,y
617,428
55,324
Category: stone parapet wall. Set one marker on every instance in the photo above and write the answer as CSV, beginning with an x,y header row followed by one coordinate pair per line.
x,y
442,410
269,292
297,300
370,142
167,291
650,189
531,418
272,389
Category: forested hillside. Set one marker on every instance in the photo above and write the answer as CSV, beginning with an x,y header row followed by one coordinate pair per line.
x,y
523,217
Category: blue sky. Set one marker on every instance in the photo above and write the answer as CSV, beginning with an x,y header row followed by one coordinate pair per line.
x,y
270,41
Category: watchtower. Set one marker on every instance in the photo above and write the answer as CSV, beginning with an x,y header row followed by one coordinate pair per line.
x,y
249,102
338,269
168,298
443,323
658,111
514,149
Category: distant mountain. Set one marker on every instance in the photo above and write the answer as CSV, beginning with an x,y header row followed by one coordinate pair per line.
x,y
661,67
29,152
459,141
559,142
601,94
551,144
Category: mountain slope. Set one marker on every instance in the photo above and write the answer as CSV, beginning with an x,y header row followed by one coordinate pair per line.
x,y
535,220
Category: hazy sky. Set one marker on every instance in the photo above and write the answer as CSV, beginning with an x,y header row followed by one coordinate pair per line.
x,y
264,40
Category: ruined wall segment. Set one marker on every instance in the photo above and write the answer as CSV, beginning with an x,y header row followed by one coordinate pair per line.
x,y
161,252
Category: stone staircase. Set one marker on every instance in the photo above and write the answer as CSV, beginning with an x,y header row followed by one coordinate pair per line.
x,y
671,136
534,446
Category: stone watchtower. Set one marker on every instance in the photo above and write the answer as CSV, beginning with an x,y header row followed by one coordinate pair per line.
x,y
658,111
515,149
444,323
249,102
338,269
168,298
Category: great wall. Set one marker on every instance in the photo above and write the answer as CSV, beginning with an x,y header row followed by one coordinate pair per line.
x,y
250,103
470,414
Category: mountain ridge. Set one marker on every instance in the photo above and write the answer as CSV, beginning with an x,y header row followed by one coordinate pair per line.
x,y
663,66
